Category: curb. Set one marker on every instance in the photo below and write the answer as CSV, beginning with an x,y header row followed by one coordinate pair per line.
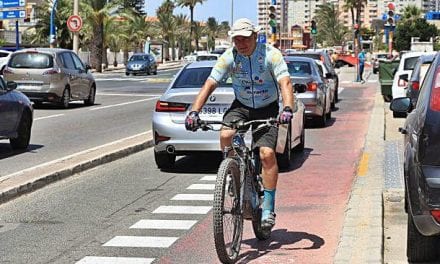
x,y
29,180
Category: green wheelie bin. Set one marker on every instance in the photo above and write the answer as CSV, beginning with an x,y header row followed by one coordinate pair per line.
x,y
387,69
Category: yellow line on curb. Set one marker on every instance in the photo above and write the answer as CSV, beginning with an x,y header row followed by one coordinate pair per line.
x,y
363,165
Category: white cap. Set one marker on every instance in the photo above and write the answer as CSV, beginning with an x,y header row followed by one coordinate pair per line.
x,y
242,27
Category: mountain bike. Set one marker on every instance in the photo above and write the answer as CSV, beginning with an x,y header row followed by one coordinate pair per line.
x,y
238,191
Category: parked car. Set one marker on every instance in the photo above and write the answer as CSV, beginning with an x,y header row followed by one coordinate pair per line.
x,y
4,58
326,59
51,75
311,87
405,68
141,63
417,77
171,139
421,166
377,58
16,114
324,71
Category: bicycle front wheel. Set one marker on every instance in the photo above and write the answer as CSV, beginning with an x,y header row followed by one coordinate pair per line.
x,y
227,218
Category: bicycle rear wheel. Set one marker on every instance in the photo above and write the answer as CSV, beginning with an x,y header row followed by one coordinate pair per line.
x,y
227,218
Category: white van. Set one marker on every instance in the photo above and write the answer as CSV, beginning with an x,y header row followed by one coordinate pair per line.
x,y
406,66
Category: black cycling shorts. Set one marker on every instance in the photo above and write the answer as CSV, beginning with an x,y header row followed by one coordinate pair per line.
x,y
265,137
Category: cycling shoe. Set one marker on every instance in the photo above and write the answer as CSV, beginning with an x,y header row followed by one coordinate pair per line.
x,y
269,222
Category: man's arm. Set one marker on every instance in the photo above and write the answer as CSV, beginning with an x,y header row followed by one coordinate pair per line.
x,y
203,95
286,91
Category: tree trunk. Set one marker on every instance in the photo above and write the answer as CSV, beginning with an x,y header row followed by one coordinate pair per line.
x,y
191,8
96,48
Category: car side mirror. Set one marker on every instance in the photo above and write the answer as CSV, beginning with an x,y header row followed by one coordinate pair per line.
x,y
404,77
88,67
10,85
401,105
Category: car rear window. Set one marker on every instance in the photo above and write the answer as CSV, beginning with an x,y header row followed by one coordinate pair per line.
x,y
31,60
410,63
196,77
299,68
206,58
138,58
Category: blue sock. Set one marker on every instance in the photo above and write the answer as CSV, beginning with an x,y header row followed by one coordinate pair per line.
x,y
268,203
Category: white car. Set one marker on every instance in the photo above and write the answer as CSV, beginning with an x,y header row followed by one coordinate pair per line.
x,y
4,58
404,71
330,82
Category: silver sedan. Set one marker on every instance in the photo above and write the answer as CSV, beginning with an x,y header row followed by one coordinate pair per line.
x,y
171,139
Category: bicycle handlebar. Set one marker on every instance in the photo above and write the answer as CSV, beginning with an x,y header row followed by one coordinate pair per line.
x,y
238,125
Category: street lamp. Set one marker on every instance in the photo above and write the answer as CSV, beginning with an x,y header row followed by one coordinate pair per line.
x,y
52,35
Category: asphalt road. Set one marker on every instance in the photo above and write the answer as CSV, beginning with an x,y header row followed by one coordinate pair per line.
x,y
123,108
97,212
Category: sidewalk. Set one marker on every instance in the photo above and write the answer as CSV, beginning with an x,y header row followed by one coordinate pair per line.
x,y
375,224
161,66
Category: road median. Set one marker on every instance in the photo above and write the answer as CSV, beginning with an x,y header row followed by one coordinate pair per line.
x,y
31,179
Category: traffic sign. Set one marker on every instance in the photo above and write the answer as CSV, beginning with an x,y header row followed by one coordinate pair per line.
x,y
261,38
74,23
12,3
13,14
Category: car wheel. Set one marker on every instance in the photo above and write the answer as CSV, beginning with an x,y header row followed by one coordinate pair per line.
x,y
420,248
322,120
164,160
24,134
155,72
65,99
333,103
336,95
284,158
148,71
91,99
127,74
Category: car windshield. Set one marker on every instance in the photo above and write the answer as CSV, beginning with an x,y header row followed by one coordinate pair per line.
x,y
139,58
299,68
196,77
410,63
31,60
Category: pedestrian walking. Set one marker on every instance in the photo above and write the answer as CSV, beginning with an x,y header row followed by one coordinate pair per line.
x,y
361,57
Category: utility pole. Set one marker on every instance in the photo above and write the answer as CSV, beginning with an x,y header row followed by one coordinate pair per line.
x,y
52,35
75,34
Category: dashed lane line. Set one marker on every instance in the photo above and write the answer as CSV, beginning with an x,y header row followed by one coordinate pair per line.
x,y
208,178
114,260
121,104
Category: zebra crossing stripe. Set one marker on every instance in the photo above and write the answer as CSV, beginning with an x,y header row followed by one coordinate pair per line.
x,y
114,260
182,210
193,197
164,224
201,187
141,241
208,178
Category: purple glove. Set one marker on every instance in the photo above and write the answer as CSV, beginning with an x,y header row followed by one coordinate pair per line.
x,y
286,115
192,121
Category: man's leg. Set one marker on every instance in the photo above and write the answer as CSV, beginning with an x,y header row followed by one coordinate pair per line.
x,y
270,179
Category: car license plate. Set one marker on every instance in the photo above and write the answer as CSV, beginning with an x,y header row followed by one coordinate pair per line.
x,y
214,110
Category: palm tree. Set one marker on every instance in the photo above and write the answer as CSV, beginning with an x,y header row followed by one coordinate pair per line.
x,y
95,12
334,31
212,30
411,13
182,27
42,27
166,25
199,31
191,4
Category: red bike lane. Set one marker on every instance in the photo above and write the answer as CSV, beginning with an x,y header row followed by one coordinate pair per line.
x,y
311,196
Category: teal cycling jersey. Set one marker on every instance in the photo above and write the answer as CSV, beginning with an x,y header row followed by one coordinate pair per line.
x,y
254,78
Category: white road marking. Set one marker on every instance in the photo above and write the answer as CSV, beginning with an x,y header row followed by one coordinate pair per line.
x,y
182,210
114,260
208,178
141,241
201,187
129,94
46,117
164,224
70,156
193,197
126,103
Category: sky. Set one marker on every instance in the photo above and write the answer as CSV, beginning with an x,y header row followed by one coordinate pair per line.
x,y
220,9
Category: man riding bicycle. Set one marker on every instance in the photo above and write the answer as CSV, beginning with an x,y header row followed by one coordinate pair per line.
x,y
259,73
